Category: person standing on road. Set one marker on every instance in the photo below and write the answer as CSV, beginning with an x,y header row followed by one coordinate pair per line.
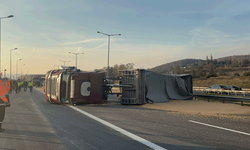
x,y
25,85
30,85
4,100
19,85
16,86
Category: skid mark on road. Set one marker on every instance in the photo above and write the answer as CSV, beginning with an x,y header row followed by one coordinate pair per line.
x,y
219,127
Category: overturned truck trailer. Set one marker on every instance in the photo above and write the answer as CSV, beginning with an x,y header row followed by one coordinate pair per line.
x,y
73,86
147,86
139,86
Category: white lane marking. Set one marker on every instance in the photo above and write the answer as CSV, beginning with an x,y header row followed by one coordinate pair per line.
x,y
219,127
39,90
131,135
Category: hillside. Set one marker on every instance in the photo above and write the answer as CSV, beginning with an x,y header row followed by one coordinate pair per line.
x,y
190,62
181,63
238,57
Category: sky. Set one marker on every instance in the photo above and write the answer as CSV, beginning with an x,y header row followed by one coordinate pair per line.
x,y
152,32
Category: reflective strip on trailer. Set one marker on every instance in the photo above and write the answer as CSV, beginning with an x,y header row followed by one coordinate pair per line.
x,y
72,88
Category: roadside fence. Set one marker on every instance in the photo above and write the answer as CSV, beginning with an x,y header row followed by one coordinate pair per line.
x,y
244,92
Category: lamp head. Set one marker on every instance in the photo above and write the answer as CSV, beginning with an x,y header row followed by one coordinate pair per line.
x,y
15,48
69,52
98,32
10,16
120,34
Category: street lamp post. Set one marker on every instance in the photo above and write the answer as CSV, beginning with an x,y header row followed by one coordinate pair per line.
x,y
17,67
108,46
64,62
10,16
76,56
11,61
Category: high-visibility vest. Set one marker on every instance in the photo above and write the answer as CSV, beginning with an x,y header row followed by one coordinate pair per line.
x,y
7,86
19,83
4,95
30,83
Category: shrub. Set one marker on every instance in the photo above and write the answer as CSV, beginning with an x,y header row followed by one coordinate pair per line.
x,y
246,74
211,75
237,74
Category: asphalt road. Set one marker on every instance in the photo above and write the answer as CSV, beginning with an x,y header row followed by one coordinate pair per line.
x,y
33,123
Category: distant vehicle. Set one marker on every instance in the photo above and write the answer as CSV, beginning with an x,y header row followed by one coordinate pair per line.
x,y
217,87
233,87
37,81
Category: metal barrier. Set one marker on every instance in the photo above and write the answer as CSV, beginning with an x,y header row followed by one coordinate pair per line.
x,y
223,98
204,90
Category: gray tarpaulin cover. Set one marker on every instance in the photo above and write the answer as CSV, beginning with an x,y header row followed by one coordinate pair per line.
x,y
164,88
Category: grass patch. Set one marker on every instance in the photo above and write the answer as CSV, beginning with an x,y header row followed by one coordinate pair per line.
x,y
241,81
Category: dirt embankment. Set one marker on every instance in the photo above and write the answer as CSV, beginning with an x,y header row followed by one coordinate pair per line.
x,y
199,107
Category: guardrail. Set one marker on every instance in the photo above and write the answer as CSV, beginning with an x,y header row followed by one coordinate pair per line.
x,y
204,90
223,98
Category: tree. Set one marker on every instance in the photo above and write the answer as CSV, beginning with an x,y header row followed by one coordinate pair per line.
x,y
193,73
130,66
104,69
207,60
215,62
199,63
122,67
116,70
228,62
234,62
221,71
246,73
245,62
210,68
177,70
199,71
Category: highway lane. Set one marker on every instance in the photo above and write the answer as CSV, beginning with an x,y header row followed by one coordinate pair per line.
x,y
32,123
172,130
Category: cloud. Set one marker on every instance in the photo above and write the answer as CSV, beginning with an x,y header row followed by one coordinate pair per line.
x,y
212,20
196,15
204,38
84,41
100,46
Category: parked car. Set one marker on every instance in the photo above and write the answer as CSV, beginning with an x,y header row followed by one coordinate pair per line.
x,y
216,87
233,87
